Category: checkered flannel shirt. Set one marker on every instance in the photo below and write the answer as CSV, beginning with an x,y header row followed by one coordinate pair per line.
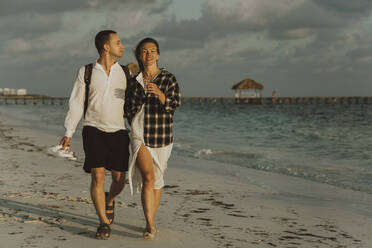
x,y
158,120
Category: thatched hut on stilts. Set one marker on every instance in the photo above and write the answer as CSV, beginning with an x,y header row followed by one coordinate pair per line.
x,y
247,88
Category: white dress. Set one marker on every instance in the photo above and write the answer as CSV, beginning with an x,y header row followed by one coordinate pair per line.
x,y
159,155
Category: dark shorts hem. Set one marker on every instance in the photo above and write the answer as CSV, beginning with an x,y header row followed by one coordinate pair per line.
x,y
107,150
88,169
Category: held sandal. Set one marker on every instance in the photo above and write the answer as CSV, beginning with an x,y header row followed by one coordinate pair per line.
x,y
103,232
111,214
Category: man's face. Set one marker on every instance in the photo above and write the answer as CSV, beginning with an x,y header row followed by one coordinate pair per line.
x,y
149,54
114,47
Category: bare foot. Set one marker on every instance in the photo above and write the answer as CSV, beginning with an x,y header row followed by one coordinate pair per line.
x,y
149,234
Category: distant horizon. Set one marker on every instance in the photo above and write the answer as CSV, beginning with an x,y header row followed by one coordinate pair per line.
x,y
328,96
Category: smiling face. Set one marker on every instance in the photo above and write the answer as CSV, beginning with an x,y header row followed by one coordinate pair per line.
x,y
114,47
149,54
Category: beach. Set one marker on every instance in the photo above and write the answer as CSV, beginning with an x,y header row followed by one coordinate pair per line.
x,y
45,202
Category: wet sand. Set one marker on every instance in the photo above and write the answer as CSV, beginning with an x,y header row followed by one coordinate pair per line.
x,y
45,202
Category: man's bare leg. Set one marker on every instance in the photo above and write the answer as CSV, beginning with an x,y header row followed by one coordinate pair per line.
x,y
97,193
117,185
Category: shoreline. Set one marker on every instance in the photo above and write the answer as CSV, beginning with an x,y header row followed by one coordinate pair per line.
x,y
342,170
46,200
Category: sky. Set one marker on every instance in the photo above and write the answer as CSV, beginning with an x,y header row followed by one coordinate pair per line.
x,y
296,47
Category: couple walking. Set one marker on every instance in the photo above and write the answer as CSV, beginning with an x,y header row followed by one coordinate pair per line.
x,y
104,92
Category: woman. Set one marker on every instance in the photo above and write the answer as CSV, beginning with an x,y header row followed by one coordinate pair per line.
x,y
151,99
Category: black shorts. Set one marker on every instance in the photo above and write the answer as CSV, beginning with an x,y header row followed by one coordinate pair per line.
x,y
108,150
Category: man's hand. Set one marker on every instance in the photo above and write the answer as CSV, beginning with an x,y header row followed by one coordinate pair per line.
x,y
65,141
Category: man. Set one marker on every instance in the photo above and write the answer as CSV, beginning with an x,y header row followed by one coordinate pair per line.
x,y
105,136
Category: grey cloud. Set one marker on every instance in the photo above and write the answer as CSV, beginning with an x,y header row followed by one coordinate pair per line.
x,y
272,17
30,24
360,53
183,34
303,21
32,18
300,21
358,7
11,7
251,54
162,7
175,35
16,7
46,71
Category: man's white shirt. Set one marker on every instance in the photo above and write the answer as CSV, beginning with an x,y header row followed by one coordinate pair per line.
x,y
105,103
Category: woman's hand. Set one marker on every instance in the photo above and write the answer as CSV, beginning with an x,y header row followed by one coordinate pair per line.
x,y
153,88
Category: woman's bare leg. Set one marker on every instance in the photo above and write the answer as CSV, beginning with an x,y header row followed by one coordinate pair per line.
x,y
157,195
146,167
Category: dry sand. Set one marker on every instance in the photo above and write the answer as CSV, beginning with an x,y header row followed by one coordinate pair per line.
x,y
45,202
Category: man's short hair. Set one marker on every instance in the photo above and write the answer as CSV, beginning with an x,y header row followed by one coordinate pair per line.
x,y
102,38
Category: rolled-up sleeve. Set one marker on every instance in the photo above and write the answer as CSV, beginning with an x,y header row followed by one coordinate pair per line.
x,y
172,96
76,104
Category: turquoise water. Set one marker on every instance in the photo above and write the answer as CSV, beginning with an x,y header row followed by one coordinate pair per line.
x,y
325,143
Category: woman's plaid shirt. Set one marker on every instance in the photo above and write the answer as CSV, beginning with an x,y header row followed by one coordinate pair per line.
x,y
158,119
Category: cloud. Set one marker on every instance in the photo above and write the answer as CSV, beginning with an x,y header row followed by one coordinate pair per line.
x,y
289,19
17,46
285,20
354,7
309,31
17,7
30,25
31,18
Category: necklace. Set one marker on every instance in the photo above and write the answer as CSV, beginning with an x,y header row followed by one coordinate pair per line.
x,y
149,76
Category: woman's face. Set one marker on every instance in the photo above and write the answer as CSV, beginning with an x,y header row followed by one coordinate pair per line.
x,y
149,54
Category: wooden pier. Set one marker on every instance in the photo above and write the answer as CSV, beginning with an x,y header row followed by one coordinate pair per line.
x,y
340,100
33,99
280,100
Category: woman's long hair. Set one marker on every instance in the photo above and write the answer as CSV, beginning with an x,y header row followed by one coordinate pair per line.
x,y
137,52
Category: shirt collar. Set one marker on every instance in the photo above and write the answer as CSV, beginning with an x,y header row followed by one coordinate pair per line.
x,y
139,78
100,67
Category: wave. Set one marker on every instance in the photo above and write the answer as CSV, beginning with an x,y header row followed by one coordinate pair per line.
x,y
203,152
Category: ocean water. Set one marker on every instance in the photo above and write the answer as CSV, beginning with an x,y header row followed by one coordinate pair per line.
x,y
330,144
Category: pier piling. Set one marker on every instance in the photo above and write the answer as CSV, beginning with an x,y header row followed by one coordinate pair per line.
x,y
32,99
